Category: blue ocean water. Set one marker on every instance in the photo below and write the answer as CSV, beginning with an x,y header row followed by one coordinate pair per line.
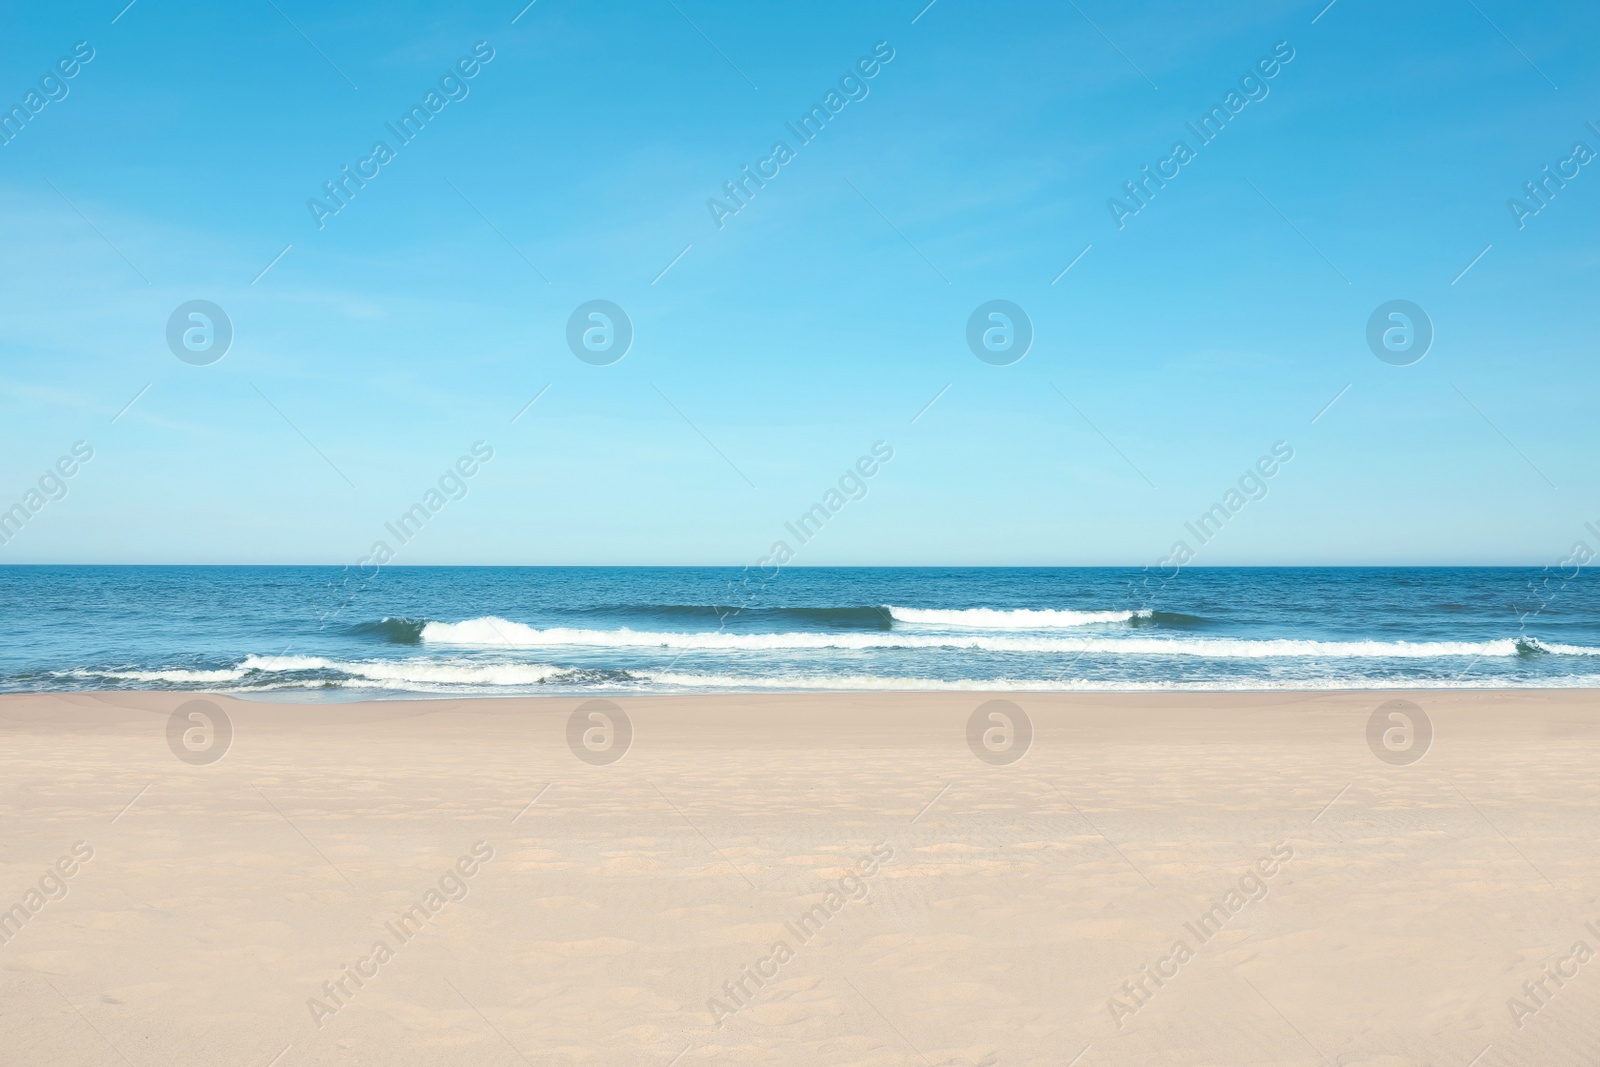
x,y
323,633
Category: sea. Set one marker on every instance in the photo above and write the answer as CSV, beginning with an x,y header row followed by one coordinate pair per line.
x,y
332,633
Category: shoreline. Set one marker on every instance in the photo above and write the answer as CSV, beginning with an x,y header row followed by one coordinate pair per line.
x,y
334,694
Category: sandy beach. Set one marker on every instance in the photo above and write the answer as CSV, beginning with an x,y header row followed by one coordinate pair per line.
x,y
796,879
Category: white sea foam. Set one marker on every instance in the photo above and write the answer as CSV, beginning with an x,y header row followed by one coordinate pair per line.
x,y
882,683
285,663
256,672
403,672
1560,649
1009,619
850,682
503,633
174,675
422,674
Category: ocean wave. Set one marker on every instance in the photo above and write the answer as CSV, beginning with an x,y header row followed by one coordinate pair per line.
x,y
398,631
503,633
442,675
1011,618
170,675
268,672
1035,618
284,663
841,618
407,671
410,631
1529,644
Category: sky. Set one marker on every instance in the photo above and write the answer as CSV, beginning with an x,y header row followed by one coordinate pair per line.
x,y
1177,338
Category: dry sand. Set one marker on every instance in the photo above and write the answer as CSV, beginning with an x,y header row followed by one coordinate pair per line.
x,y
1400,907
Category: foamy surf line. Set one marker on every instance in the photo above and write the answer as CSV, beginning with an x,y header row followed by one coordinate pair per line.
x,y
877,683
424,677
1010,619
495,632
258,672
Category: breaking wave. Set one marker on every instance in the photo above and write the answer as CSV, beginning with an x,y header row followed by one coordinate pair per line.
x,y
1011,619
491,631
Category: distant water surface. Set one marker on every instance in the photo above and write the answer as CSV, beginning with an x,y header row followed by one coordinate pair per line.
x,y
312,633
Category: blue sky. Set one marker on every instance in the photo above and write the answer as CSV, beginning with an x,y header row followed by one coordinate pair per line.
x,y
825,315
